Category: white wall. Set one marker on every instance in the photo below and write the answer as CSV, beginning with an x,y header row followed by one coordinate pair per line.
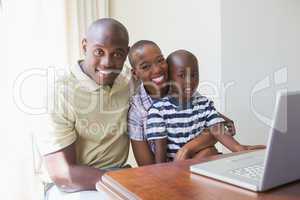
x,y
260,40
176,24
243,46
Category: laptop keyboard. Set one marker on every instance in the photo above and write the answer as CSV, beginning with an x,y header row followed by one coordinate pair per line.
x,y
253,172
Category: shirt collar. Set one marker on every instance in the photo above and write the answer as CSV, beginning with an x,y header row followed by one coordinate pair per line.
x,y
146,100
186,105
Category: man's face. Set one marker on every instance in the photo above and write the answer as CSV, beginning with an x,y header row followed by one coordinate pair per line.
x,y
184,78
151,68
105,57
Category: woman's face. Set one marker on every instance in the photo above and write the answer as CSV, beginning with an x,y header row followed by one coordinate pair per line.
x,y
152,69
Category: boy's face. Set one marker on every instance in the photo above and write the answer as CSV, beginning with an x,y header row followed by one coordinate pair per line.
x,y
105,57
151,68
184,78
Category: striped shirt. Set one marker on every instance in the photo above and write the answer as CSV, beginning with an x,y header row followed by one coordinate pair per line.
x,y
180,124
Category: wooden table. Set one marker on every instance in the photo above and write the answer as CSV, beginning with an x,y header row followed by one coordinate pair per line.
x,y
174,181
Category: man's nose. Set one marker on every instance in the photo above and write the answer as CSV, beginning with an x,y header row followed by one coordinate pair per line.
x,y
106,62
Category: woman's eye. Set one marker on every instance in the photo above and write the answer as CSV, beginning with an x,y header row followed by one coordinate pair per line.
x,y
98,52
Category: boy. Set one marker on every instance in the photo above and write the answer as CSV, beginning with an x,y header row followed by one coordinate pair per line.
x,y
184,115
150,68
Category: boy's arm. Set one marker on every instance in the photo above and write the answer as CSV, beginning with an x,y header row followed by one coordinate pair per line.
x,y
229,124
156,131
222,135
160,150
199,143
142,152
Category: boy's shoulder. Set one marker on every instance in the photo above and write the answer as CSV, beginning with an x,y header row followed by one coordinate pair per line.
x,y
161,103
201,99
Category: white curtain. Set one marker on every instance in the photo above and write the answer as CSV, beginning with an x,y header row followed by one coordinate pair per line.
x,y
38,38
80,14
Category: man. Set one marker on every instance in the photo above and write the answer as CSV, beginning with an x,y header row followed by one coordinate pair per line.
x,y
87,132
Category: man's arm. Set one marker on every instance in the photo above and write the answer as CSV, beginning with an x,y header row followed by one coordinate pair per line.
x,y
142,153
199,143
67,175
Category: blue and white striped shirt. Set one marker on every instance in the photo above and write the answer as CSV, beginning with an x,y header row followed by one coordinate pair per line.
x,y
167,119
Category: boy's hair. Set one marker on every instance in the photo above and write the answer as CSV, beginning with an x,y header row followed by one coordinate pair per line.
x,y
181,52
136,46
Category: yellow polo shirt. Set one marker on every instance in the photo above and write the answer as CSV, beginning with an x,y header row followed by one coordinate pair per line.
x,y
91,116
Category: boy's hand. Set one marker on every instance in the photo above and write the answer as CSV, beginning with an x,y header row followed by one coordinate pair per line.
x,y
183,154
230,127
229,124
248,147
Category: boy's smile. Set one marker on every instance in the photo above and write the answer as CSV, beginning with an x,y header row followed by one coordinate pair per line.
x,y
183,72
151,68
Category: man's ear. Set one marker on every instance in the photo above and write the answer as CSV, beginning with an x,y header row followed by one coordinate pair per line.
x,y
133,72
84,45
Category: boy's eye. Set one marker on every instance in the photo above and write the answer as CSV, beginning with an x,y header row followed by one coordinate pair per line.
x,y
98,52
194,75
181,75
144,67
161,60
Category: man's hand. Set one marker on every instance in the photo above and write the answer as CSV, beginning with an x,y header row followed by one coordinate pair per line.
x,y
183,154
67,175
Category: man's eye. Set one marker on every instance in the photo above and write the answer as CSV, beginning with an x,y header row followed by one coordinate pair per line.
x,y
98,52
118,55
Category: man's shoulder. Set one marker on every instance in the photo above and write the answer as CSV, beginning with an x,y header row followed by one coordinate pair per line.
x,y
65,80
126,81
64,86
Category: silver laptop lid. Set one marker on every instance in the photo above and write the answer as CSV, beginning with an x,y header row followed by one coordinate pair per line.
x,y
282,164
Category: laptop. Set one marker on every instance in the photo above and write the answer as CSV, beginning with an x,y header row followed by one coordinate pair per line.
x,y
276,165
